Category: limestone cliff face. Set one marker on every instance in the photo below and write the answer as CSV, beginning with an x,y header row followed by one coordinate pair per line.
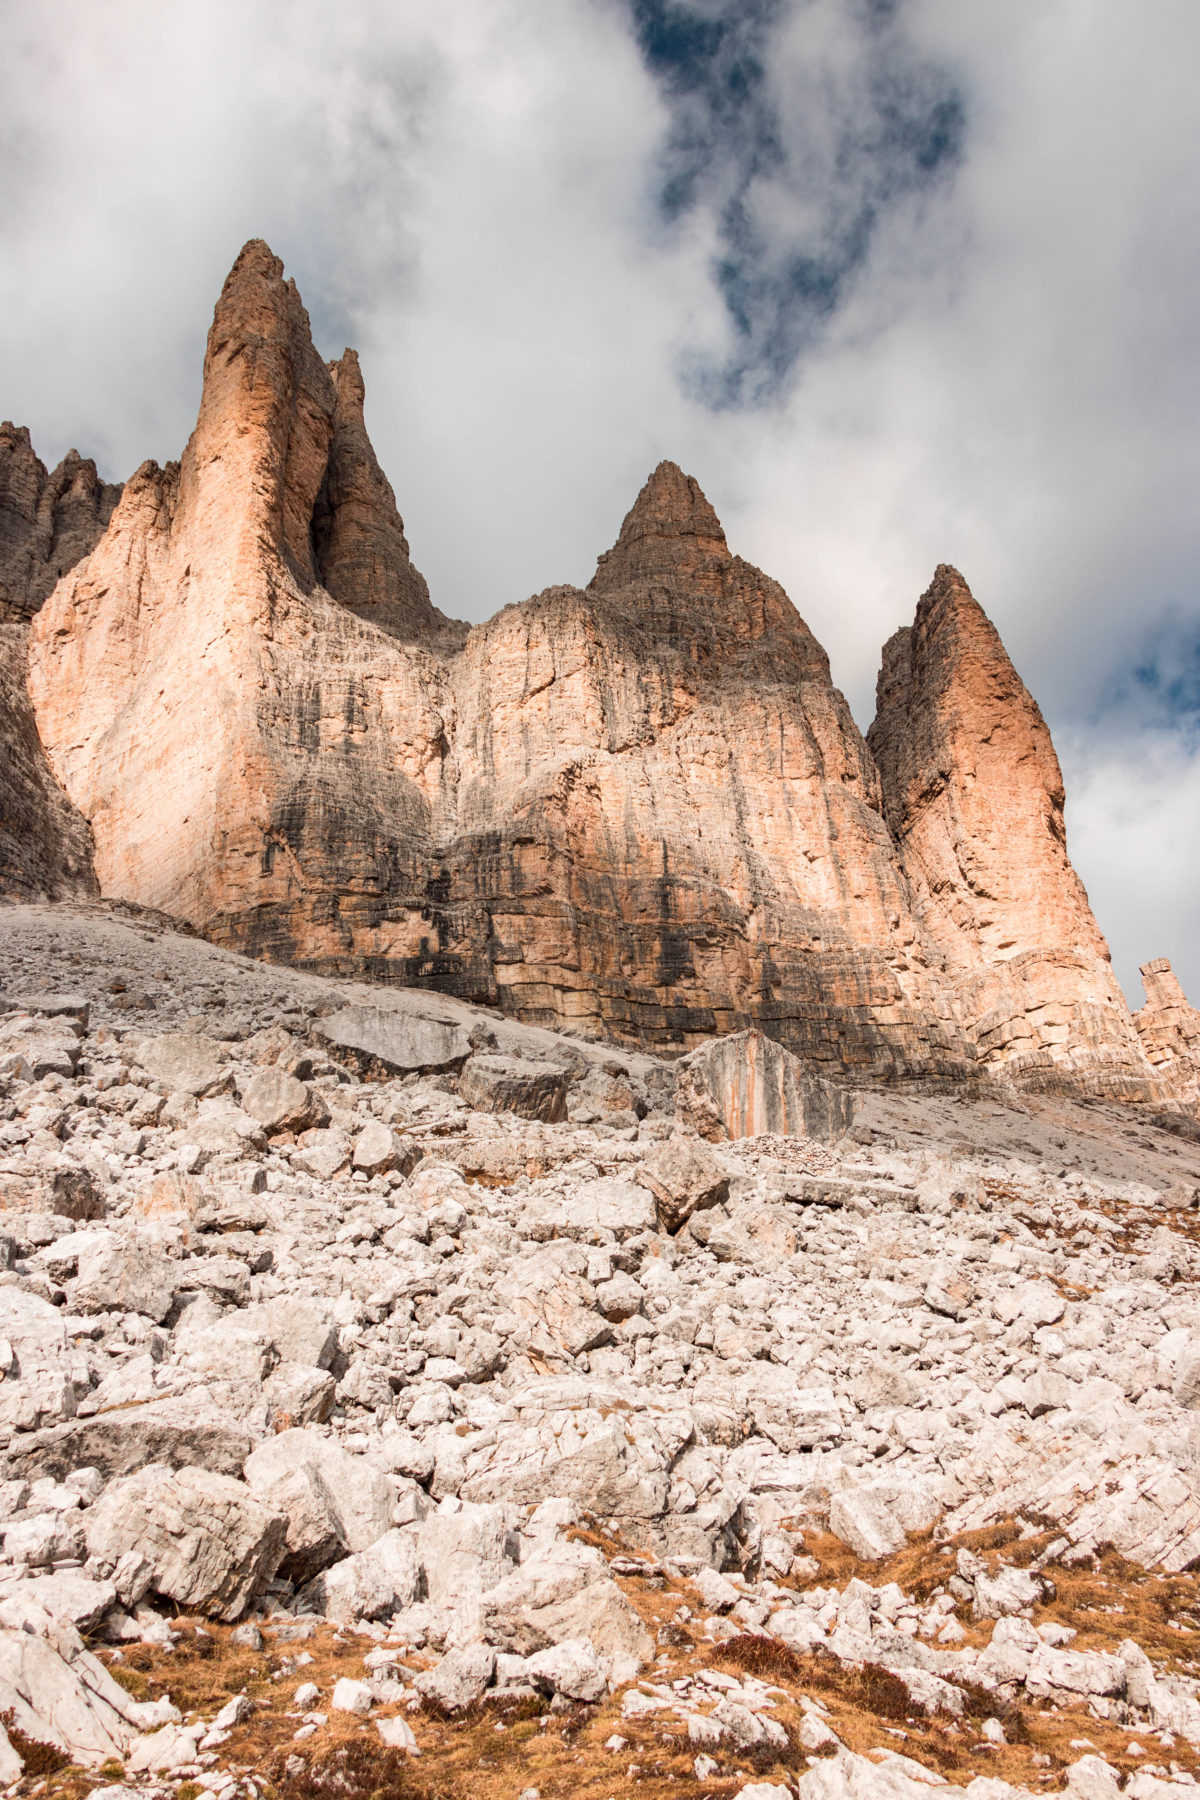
x,y
45,843
973,794
642,807
1169,1028
48,521
159,663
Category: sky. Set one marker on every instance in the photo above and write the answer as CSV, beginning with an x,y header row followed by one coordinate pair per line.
x,y
900,282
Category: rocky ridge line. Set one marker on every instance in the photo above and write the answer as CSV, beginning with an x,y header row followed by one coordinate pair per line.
x,y
642,809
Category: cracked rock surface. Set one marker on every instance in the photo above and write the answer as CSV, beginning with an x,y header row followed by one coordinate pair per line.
x,y
307,1330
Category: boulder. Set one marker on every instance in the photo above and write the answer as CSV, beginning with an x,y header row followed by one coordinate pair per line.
x,y
373,1584
459,1678
463,1551
71,1193
299,1394
571,1668
55,1691
684,1176
69,1594
34,1331
351,1696
507,1084
184,1062
210,1542
301,1330
277,1101
178,1431
747,1084
342,1494
621,1207
400,1043
123,1275
563,1590
874,1520
377,1149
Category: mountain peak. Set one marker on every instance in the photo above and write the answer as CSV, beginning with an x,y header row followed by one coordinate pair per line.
x,y
670,533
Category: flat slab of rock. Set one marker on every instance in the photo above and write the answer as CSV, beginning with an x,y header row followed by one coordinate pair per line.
x,y
509,1084
185,1062
610,1204
179,1431
747,1085
372,1036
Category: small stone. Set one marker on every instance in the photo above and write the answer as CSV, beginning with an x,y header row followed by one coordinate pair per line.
x,y
351,1696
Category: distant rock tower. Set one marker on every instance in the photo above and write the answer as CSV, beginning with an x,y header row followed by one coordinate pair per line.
x,y
1169,1027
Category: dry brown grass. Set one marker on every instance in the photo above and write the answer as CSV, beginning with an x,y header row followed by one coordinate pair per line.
x,y
495,1750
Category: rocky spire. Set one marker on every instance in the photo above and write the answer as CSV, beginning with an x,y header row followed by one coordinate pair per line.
x,y
208,587
358,535
670,535
973,793
48,522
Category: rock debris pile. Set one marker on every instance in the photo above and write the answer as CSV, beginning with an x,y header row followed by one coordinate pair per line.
x,y
326,1305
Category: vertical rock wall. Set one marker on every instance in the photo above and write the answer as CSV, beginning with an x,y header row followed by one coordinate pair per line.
x,y
973,795
642,808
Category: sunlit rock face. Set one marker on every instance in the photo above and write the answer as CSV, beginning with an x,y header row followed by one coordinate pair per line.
x,y
973,794
641,808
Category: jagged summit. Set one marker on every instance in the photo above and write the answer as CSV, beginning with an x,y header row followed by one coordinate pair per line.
x,y
645,809
973,795
48,519
670,534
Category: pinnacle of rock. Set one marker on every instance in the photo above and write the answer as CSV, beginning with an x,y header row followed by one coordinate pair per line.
x,y
973,795
670,533
643,808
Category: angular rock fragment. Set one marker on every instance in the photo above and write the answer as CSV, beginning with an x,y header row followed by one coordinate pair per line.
x,y
506,1084
210,1543
400,1043
741,1086
684,1176
184,1062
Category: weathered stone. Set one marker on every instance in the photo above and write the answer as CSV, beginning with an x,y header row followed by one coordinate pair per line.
x,y
72,1194
463,1550
621,1207
401,1043
570,1668
123,1275
683,1176
184,1062
459,1678
373,1584
210,1542
178,1431
55,1691
301,1330
744,1085
564,1591
277,1101
505,1084
377,1149
355,1498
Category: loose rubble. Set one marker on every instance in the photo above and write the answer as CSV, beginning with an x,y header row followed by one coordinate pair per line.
x,y
453,1350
